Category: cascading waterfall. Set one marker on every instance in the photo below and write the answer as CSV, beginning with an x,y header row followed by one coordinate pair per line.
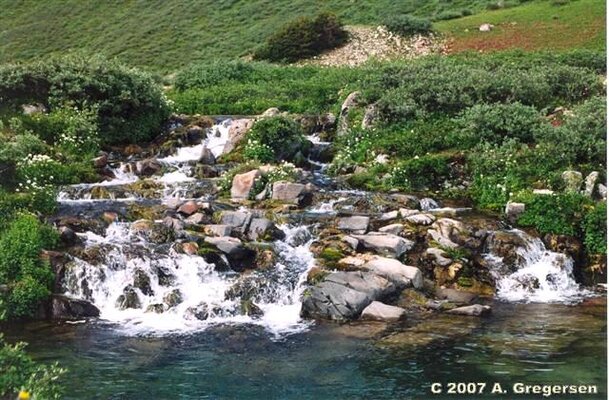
x,y
151,289
541,276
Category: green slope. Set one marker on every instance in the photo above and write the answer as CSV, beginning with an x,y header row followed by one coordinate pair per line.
x,y
543,25
166,35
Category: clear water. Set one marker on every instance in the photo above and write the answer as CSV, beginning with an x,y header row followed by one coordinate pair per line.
x,y
530,343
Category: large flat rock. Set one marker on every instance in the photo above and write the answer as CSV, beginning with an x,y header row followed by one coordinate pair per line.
x,y
400,274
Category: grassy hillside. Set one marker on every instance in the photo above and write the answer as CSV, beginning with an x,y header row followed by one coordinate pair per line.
x,y
167,35
548,25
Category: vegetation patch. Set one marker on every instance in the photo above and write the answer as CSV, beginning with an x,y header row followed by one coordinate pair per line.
x,y
303,38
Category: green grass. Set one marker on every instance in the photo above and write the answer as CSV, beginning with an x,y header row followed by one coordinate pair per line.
x,y
168,35
535,26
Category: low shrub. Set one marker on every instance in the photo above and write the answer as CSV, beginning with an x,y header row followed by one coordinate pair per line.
x,y
449,14
213,73
129,103
582,137
19,372
420,173
26,276
303,38
407,25
71,130
278,136
449,85
595,229
493,123
561,214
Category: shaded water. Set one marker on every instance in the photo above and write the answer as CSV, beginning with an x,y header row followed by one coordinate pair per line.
x,y
529,343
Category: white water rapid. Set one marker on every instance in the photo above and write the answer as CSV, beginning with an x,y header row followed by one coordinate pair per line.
x,y
149,288
157,277
542,276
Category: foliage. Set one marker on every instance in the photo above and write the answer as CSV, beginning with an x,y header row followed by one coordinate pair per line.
x,y
560,214
582,137
595,229
303,38
407,25
129,104
279,137
405,91
27,277
206,89
19,372
493,123
501,171
71,130
12,203
203,75
420,173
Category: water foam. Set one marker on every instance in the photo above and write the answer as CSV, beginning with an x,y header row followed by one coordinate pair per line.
x,y
542,276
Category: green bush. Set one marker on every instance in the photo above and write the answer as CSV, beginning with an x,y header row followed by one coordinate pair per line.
x,y
407,25
12,203
71,130
303,38
19,372
493,123
420,173
560,214
595,229
450,14
280,136
582,137
27,277
217,72
129,103
294,89
497,171
405,91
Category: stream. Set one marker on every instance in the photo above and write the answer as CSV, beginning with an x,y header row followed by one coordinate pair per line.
x,y
544,328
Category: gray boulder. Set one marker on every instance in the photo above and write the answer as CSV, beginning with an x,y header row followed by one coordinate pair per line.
x,y
455,296
513,211
378,311
394,229
236,132
218,230
207,157
129,299
475,310
573,180
356,224
66,308
343,295
197,219
290,192
238,220
421,219
398,273
590,183
385,243
148,167
265,229
438,257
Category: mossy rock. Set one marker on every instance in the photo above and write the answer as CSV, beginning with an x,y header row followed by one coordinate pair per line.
x,y
139,211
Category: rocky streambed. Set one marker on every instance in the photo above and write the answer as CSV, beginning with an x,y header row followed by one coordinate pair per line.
x,y
161,246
